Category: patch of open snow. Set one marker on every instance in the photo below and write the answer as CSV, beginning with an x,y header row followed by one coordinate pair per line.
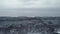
x,y
58,32
34,33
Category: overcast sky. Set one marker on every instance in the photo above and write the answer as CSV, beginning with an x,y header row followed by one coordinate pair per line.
x,y
29,7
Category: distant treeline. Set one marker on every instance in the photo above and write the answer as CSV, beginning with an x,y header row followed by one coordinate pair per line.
x,y
27,18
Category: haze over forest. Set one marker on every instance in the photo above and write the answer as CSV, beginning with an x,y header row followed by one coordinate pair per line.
x,y
29,7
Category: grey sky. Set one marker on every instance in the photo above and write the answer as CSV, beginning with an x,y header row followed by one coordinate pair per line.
x,y
29,3
29,7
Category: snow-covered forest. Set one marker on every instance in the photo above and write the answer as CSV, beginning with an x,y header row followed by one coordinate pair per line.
x,y
29,25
